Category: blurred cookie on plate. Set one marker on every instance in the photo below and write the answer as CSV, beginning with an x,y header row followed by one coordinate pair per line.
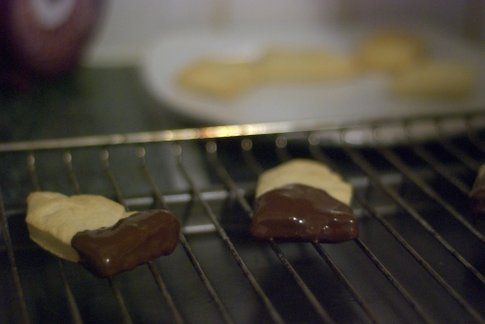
x,y
436,79
304,64
391,51
221,78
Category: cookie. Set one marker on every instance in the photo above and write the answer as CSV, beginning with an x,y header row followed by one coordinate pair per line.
x,y
221,79
98,232
303,200
306,172
298,64
391,51
477,194
53,219
132,241
437,79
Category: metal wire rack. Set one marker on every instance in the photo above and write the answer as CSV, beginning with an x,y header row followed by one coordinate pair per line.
x,y
419,256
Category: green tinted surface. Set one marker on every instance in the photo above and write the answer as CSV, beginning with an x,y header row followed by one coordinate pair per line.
x,y
92,101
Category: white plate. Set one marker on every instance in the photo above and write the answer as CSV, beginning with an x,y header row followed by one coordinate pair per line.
x,y
360,99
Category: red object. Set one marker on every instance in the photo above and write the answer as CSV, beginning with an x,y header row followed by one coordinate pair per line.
x,y
44,38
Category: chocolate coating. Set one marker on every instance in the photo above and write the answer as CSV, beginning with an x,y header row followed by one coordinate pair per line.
x,y
130,242
298,212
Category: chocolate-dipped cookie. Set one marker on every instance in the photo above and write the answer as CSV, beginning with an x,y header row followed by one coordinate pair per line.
x,y
108,239
303,200
132,241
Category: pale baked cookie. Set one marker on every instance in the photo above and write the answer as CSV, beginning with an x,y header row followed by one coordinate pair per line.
x,y
53,219
439,79
223,79
98,232
307,172
303,200
300,64
391,51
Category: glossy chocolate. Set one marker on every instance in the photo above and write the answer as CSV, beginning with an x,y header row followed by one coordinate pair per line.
x,y
477,194
298,212
130,242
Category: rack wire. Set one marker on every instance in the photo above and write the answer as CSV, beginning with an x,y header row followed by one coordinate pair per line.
x,y
233,157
